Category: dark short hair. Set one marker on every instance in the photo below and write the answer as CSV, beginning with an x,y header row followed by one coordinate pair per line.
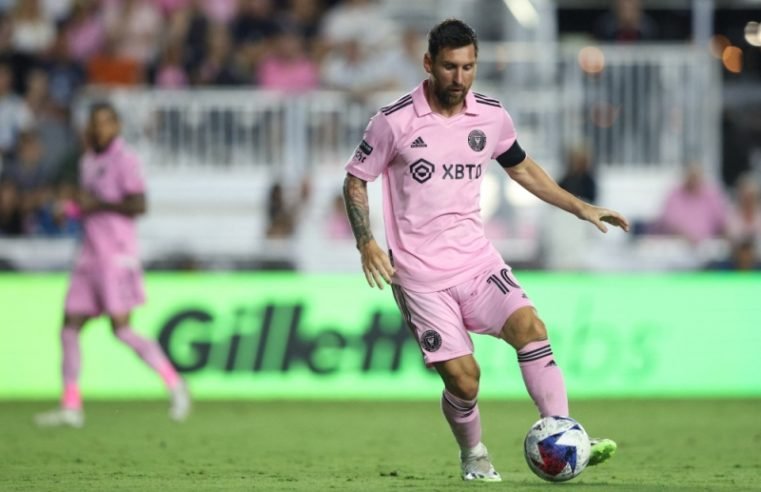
x,y
451,33
104,106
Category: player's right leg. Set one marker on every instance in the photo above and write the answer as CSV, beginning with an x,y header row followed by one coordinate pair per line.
x,y
460,407
435,320
70,412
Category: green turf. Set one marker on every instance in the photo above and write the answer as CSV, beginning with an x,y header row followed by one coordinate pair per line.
x,y
362,446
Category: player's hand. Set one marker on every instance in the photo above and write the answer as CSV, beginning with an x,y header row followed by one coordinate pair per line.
x,y
88,203
375,264
599,216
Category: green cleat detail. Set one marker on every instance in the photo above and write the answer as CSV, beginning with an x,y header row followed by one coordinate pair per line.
x,y
602,450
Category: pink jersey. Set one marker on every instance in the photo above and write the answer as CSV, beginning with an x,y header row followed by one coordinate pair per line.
x,y
432,168
110,176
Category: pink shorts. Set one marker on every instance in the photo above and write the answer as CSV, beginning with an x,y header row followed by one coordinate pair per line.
x,y
105,288
442,321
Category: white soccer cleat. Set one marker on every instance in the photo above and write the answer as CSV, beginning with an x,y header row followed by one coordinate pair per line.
x,y
179,407
476,466
61,417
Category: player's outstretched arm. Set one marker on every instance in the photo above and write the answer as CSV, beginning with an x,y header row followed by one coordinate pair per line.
x,y
535,179
375,262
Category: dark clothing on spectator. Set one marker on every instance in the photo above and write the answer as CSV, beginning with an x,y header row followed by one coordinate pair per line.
x,y
253,30
609,29
580,185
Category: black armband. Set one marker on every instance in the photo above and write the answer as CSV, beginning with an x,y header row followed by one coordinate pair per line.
x,y
512,156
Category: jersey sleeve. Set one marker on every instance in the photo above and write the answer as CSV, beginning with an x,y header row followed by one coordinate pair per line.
x,y
133,182
507,151
374,152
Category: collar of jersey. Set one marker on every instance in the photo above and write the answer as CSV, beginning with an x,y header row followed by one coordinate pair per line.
x,y
422,107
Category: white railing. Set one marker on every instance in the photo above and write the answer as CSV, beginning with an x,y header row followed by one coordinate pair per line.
x,y
649,106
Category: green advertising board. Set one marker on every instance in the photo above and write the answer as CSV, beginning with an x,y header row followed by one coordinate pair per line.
x,y
283,335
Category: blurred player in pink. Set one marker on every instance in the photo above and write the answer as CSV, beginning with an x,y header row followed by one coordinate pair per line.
x,y
107,277
432,147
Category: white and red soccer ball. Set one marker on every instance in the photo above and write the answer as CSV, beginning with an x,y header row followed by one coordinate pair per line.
x,y
557,448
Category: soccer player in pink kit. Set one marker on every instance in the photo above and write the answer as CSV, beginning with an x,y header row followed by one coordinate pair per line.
x,y
107,277
432,147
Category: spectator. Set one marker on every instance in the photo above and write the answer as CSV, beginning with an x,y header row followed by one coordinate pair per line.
x,y
18,63
55,134
219,67
219,11
404,63
304,17
11,223
190,27
26,170
65,75
288,68
362,21
253,30
283,216
254,23
626,23
170,73
32,31
281,219
108,68
57,10
745,217
57,213
578,179
695,209
350,69
134,27
745,256
337,226
84,31
15,116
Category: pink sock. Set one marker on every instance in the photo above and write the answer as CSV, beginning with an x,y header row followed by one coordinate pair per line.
x,y
543,379
463,418
70,364
151,353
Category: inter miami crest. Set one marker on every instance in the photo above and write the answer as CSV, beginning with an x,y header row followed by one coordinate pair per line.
x,y
477,140
430,340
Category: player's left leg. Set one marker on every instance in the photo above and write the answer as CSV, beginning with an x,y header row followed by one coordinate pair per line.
x,y
525,332
150,352
495,304
541,374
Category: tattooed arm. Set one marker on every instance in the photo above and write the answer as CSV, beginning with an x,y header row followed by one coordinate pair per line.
x,y
375,262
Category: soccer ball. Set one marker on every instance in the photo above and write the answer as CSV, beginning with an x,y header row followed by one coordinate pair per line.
x,y
557,448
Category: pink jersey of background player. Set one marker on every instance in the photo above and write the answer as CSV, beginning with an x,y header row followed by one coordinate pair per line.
x,y
432,170
107,278
110,176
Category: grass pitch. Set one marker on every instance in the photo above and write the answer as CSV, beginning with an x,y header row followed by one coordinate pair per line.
x,y
363,446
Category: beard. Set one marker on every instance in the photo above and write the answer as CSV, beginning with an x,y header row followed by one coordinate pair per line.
x,y
446,97
99,148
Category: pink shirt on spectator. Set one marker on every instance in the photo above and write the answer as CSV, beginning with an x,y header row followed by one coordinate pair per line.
x,y
111,176
290,76
697,215
432,168
86,38
221,11
171,77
